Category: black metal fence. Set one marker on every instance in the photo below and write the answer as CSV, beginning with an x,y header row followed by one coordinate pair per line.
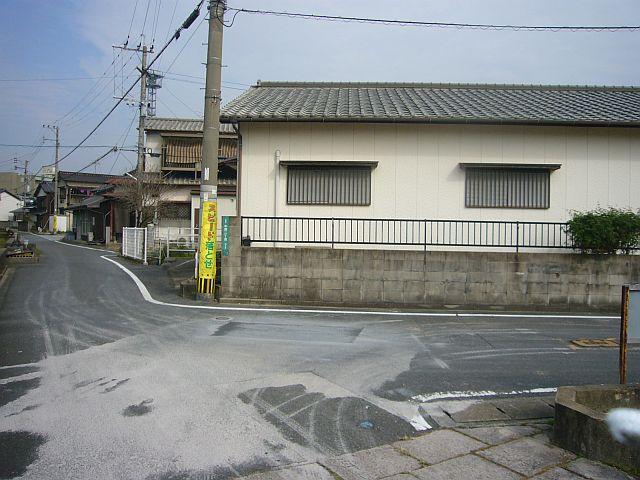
x,y
409,232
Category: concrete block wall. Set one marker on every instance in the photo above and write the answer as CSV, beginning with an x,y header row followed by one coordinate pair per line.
x,y
510,281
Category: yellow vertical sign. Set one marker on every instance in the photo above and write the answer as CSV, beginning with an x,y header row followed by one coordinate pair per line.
x,y
208,240
55,224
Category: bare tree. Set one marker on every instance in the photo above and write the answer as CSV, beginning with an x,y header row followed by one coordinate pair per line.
x,y
145,195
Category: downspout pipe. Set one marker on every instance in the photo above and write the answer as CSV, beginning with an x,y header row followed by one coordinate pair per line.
x,y
276,188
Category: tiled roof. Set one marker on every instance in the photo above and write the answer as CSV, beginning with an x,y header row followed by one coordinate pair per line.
x,y
82,177
47,186
159,124
437,103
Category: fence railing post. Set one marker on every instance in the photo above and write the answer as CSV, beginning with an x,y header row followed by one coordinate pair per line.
x,y
424,221
144,247
332,233
168,254
517,236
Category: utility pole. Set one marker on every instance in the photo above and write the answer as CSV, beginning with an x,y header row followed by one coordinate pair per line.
x,y
143,109
56,193
25,182
211,133
142,102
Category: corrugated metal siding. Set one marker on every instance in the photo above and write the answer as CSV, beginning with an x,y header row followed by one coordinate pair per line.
x,y
506,188
319,185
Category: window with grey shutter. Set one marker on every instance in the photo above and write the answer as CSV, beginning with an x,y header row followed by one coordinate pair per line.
x,y
328,185
507,186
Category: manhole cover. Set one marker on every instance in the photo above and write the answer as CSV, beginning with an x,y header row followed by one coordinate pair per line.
x,y
595,342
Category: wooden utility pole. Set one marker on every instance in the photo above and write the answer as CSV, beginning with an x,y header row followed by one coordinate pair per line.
x,y
209,177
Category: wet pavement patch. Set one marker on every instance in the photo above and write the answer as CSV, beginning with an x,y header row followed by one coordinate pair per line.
x,y
288,332
137,410
332,426
18,450
15,371
25,409
85,383
13,390
115,385
221,472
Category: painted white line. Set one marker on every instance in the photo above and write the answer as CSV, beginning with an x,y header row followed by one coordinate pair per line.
x,y
516,354
473,352
147,296
69,244
478,394
419,424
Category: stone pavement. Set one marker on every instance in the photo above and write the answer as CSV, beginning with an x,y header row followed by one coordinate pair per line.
x,y
490,452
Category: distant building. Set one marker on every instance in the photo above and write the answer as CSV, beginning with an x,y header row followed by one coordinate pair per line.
x,y
8,203
174,151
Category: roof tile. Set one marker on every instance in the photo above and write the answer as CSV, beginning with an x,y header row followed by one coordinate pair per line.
x,y
438,103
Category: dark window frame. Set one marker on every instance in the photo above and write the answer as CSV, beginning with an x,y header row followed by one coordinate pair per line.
x,y
509,186
330,187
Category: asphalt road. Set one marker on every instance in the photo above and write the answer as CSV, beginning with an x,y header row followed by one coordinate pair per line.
x,y
96,382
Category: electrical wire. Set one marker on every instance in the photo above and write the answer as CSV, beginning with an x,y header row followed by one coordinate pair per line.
x,y
24,145
122,140
186,24
183,103
415,23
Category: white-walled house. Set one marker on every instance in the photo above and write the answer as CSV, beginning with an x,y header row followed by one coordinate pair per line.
x,y
174,149
8,203
435,151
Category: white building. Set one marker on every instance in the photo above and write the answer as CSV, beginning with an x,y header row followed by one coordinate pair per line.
x,y
174,148
8,203
434,151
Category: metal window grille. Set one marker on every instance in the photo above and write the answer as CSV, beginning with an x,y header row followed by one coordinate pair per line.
x,y
507,188
177,210
319,185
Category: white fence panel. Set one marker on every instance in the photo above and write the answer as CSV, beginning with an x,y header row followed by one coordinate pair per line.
x,y
134,243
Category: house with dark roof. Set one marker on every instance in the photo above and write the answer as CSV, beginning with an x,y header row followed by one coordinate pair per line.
x,y
435,151
173,148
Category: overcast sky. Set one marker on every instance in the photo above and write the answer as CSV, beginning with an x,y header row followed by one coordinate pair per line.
x,y
72,39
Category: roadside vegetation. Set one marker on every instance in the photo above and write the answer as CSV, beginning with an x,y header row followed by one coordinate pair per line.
x,y
605,231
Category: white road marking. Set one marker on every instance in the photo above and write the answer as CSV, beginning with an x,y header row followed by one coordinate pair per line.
x,y
489,351
419,424
147,296
519,354
481,393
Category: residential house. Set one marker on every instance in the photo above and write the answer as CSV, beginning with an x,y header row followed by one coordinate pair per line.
x,y
8,203
422,151
45,203
174,150
101,216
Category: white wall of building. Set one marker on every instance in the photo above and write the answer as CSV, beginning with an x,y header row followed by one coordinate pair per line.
x,y
8,203
418,173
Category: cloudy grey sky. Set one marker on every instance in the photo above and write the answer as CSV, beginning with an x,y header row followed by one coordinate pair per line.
x,y
69,42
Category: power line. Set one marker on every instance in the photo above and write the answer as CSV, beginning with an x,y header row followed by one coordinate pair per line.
x,y
186,24
415,23
24,145
59,79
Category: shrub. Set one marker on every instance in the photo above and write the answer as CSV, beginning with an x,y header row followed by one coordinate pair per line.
x,y
603,231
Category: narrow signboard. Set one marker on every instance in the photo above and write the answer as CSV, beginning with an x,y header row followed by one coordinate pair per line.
x,y
208,240
634,314
225,236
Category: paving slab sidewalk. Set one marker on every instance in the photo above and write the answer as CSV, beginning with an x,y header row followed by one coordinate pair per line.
x,y
498,452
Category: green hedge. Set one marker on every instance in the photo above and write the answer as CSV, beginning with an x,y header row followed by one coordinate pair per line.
x,y
603,231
